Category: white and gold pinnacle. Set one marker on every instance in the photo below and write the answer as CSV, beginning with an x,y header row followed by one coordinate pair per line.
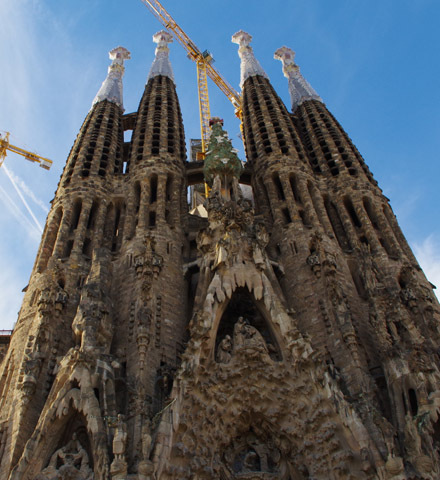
x,y
161,64
250,66
299,88
111,88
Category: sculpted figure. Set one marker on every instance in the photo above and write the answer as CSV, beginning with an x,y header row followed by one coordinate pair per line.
x,y
248,336
33,363
254,337
224,352
70,461
120,439
239,333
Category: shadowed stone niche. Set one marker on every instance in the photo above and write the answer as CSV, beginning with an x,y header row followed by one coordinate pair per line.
x,y
250,458
71,460
243,328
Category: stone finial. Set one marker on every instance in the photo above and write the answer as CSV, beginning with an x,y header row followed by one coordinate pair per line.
x,y
111,88
161,64
299,88
249,64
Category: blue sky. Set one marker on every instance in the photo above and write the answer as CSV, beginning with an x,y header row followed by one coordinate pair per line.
x,y
375,63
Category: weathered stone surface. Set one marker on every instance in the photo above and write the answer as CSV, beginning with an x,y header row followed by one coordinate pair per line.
x,y
291,335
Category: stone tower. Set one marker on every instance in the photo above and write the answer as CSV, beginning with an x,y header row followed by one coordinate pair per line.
x,y
291,335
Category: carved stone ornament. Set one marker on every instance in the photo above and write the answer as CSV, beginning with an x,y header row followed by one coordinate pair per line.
x,y
248,457
32,368
70,462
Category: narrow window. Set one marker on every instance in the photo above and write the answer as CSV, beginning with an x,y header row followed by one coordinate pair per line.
x,y
75,214
351,211
153,189
279,187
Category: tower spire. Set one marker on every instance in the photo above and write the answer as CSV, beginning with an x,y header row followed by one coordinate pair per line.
x,y
250,66
161,64
111,88
299,88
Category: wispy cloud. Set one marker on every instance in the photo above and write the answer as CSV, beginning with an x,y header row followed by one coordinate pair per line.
x,y
26,191
428,255
21,196
11,207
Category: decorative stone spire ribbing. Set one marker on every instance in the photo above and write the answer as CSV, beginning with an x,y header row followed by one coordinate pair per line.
x,y
221,158
249,64
161,64
299,88
111,88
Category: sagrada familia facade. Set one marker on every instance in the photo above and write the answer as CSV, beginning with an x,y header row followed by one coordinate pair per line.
x,y
289,334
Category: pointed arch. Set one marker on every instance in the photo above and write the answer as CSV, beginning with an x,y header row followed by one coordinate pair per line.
x,y
243,305
71,408
269,315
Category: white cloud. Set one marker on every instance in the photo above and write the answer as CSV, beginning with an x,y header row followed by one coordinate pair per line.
x,y
428,255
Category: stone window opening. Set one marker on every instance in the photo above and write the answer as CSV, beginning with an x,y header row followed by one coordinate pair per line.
x,y
118,227
153,189
92,215
302,216
87,247
243,326
436,436
295,191
169,188
152,219
68,249
412,396
77,206
405,406
286,216
363,239
357,280
279,187
352,212
337,225
137,201
382,393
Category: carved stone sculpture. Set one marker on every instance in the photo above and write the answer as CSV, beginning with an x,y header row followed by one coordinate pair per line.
x,y
70,462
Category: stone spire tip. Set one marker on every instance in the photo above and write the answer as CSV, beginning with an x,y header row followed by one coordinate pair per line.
x,y
161,64
249,64
111,88
299,88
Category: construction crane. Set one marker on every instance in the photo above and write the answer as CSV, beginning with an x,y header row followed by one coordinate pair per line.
x,y
204,62
32,157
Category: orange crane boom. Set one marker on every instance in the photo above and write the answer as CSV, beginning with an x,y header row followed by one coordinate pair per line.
x,y
204,68
32,157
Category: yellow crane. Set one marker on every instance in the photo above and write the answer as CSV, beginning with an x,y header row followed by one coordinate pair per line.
x,y
32,157
204,62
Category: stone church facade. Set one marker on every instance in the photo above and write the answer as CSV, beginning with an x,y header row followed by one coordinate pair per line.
x,y
291,335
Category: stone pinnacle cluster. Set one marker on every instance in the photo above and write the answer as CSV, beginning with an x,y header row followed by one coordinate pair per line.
x,y
289,334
